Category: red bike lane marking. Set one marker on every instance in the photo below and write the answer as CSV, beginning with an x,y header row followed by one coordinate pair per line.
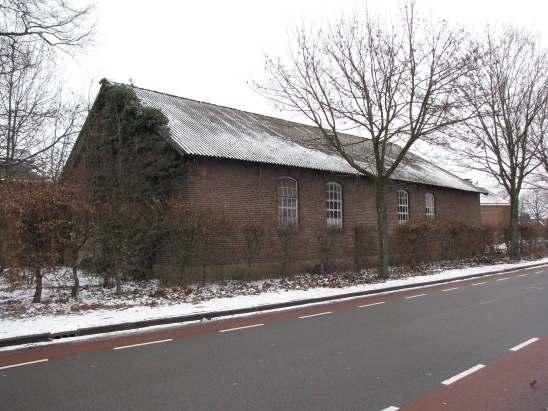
x,y
517,381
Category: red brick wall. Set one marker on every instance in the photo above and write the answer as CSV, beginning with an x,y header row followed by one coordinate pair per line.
x,y
246,193
495,216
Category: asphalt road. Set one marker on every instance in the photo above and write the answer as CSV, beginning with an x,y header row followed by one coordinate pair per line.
x,y
337,356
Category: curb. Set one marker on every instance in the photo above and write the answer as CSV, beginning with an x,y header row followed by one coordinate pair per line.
x,y
45,337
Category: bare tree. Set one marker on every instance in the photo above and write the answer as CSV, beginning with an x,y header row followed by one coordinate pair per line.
x,y
507,94
535,203
392,81
38,120
540,149
57,23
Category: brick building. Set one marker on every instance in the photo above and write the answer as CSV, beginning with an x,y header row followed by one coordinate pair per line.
x,y
264,174
495,212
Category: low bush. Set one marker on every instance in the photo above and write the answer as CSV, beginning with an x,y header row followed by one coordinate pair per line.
x,y
432,241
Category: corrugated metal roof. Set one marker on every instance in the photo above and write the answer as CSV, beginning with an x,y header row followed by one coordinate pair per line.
x,y
205,129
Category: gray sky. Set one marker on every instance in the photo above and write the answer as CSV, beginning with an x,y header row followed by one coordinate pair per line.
x,y
210,50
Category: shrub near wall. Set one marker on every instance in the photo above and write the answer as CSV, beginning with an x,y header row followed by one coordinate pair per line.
x,y
195,240
425,241
534,239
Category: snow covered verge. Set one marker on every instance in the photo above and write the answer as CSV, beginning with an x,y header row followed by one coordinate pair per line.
x,y
147,300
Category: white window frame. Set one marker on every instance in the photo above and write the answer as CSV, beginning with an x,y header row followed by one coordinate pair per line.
x,y
334,204
403,206
288,201
430,203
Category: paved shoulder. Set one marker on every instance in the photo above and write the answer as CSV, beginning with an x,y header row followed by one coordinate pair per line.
x,y
518,381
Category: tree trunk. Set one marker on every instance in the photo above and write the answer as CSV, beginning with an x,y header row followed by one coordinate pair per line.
x,y
118,283
382,227
515,246
76,282
38,290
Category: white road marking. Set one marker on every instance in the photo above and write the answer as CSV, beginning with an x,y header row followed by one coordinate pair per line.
x,y
463,374
502,279
483,282
315,315
240,328
123,347
524,344
538,272
391,408
523,275
23,363
415,296
489,301
450,289
369,305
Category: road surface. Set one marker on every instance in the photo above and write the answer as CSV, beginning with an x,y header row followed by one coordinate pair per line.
x,y
416,349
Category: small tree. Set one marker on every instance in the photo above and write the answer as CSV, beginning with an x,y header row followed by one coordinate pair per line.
x,y
394,81
535,204
506,94
38,216
78,227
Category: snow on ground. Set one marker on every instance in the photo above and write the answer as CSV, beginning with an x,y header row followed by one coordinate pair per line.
x,y
146,300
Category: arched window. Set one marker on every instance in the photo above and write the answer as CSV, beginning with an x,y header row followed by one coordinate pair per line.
x,y
287,201
334,204
430,206
403,206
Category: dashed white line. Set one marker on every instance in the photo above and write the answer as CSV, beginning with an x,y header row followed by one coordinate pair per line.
x,y
450,289
391,408
524,344
502,279
523,275
123,347
23,363
463,374
240,328
483,282
315,315
415,296
489,301
369,305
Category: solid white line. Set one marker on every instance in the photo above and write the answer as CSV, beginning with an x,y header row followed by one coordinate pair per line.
x,y
450,289
502,279
524,344
415,296
23,363
369,305
240,328
315,315
483,282
523,275
391,408
123,347
463,374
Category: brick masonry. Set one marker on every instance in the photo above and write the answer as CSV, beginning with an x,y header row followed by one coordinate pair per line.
x,y
245,194
496,216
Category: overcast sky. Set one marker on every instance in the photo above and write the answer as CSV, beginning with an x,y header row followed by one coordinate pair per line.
x,y
211,50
